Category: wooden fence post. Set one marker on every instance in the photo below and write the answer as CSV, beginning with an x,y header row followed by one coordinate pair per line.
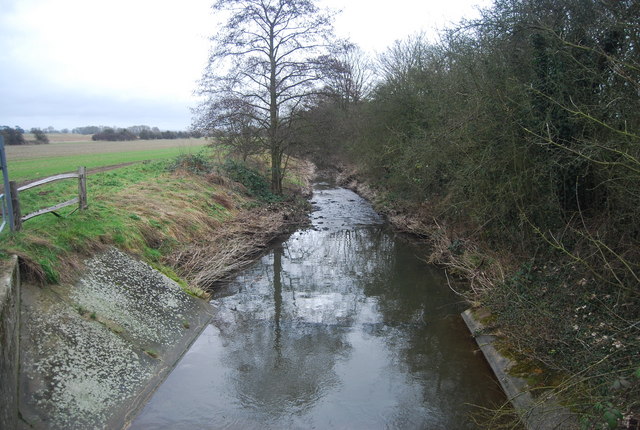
x,y
82,188
15,202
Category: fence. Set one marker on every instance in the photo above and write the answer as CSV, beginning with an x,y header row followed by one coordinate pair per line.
x,y
11,211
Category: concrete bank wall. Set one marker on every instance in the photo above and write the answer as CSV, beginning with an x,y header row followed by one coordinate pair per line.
x,y
541,412
9,343
92,353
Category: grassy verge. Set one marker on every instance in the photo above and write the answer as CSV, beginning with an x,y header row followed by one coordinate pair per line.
x,y
180,215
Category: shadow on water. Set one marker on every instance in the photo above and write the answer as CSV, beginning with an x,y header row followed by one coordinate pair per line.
x,y
339,326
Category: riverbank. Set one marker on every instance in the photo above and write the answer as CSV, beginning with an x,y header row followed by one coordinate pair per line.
x,y
105,304
193,219
571,339
92,352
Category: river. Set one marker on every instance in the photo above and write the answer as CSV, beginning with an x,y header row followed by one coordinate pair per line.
x,y
340,326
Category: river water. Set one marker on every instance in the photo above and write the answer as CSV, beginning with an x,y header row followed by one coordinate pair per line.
x,y
340,326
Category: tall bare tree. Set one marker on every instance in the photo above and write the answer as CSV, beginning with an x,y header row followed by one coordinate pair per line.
x,y
348,74
264,63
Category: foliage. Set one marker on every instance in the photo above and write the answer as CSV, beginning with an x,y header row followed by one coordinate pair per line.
x,y
331,121
256,184
201,163
39,135
133,132
111,134
347,75
198,163
521,129
12,136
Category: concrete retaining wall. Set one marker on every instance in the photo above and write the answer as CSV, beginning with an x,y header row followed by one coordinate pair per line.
x,y
92,353
9,343
541,412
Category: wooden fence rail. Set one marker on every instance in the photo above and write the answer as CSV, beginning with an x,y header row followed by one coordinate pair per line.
x,y
81,200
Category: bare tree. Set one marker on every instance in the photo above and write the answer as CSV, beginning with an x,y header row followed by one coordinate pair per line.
x,y
234,125
264,63
348,74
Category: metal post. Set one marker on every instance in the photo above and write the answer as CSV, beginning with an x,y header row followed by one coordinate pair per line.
x,y
7,189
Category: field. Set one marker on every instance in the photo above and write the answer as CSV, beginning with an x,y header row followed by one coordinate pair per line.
x,y
30,162
61,137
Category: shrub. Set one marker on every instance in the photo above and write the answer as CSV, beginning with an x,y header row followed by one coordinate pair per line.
x,y
256,184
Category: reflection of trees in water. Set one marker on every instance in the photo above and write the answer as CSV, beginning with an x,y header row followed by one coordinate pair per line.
x,y
338,259
278,374
282,365
286,331
424,330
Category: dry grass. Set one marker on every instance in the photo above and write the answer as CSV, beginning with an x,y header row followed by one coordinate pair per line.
x,y
230,247
30,269
223,200
467,260
303,170
200,228
61,137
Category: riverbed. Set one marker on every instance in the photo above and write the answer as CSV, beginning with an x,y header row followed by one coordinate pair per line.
x,y
340,326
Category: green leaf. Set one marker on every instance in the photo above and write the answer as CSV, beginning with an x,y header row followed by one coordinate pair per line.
x,y
611,417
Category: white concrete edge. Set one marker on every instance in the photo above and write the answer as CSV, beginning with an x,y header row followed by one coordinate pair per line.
x,y
537,414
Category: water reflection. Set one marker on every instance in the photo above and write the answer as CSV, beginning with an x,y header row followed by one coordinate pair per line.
x,y
340,326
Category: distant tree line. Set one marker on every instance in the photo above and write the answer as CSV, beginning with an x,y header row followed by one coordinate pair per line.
x,y
15,135
12,135
133,133
52,130
112,134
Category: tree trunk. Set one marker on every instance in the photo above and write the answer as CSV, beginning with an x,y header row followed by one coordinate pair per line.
x,y
274,138
276,171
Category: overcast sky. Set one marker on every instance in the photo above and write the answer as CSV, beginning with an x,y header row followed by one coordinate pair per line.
x,y
70,63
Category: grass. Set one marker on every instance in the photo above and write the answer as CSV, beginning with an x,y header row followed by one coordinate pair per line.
x,y
34,168
181,215
114,216
152,353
